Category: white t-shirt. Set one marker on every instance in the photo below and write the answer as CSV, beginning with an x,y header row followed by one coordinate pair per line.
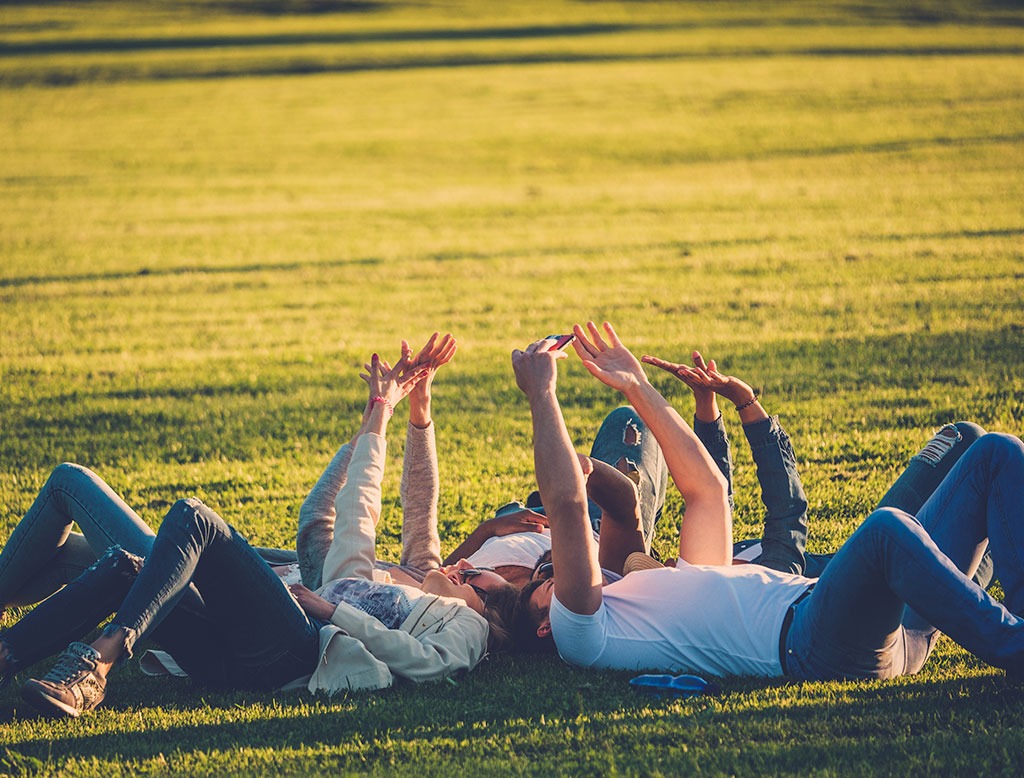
x,y
519,548
693,618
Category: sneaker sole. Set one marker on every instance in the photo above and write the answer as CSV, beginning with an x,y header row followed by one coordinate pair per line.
x,y
38,698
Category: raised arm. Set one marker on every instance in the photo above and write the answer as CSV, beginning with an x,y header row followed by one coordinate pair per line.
x,y
560,479
315,531
420,487
358,502
706,533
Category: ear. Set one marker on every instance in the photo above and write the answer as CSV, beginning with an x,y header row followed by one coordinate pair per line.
x,y
544,630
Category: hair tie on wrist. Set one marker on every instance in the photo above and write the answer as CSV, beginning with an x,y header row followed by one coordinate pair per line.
x,y
748,403
386,402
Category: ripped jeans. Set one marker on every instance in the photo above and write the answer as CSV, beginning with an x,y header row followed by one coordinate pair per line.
x,y
239,628
625,443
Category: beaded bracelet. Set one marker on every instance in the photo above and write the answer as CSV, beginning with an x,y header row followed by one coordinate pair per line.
x,y
387,404
748,403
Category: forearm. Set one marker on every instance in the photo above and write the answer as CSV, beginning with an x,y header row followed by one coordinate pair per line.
x,y
706,534
715,439
470,545
420,488
419,408
563,491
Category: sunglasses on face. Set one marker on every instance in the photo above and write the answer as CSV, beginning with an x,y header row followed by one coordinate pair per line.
x,y
468,574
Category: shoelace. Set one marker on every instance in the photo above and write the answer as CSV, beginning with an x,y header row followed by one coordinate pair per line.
x,y
67,667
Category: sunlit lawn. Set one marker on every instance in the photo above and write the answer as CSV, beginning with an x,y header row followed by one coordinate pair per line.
x,y
211,217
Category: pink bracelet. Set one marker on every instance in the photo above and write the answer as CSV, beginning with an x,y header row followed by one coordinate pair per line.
x,y
387,404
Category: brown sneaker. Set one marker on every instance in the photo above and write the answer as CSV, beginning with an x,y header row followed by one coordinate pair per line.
x,y
72,686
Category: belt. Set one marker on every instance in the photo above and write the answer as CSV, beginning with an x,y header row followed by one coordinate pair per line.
x,y
787,622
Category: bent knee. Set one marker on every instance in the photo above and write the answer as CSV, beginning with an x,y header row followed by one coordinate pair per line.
x,y
120,561
999,445
969,431
191,511
69,472
888,520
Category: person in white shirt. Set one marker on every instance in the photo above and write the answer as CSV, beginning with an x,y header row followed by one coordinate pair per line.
x,y
875,612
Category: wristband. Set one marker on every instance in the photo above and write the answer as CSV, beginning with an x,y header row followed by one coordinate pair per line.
x,y
748,403
386,402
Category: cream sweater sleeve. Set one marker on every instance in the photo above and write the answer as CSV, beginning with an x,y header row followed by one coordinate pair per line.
x,y
316,518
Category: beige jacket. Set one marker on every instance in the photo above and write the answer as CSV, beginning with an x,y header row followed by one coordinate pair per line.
x,y
440,637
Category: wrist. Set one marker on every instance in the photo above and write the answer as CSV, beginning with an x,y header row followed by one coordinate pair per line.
x,y
746,403
383,402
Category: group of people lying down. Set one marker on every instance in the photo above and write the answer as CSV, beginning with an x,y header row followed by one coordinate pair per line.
x,y
571,570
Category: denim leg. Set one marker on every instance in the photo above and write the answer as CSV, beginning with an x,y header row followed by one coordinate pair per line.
x,y
852,624
73,611
71,559
267,638
925,472
785,522
624,442
715,439
72,494
982,499
917,483
929,466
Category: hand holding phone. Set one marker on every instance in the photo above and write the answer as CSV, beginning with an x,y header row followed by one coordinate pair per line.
x,y
561,341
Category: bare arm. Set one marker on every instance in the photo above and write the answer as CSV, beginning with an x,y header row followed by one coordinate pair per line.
x,y
706,533
523,520
561,482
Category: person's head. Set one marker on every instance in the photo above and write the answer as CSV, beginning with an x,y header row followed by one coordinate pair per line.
x,y
484,591
532,627
543,568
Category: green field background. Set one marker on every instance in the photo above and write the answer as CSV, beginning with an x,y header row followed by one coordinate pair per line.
x,y
212,213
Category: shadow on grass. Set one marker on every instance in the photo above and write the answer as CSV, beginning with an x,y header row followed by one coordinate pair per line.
x,y
538,706
556,251
302,65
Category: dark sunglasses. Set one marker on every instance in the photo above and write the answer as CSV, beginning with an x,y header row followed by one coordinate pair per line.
x,y
542,571
471,573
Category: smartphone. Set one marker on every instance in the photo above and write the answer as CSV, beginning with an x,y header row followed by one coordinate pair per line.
x,y
561,341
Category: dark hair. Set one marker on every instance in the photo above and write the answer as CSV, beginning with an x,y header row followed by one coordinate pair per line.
x,y
524,630
500,610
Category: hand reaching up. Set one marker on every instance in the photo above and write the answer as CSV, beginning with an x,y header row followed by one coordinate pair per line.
x,y
705,377
388,385
438,351
607,359
706,408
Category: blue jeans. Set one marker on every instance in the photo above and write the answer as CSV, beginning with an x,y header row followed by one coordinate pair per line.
x,y
785,532
248,631
43,554
624,442
878,607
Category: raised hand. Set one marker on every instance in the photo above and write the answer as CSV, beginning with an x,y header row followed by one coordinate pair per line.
x,y
535,367
695,377
607,359
438,351
388,385
729,387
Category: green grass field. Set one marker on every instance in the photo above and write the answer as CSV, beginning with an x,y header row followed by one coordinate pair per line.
x,y
212,212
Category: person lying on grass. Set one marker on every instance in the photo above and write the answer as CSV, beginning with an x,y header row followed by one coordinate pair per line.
x,y
251,632
875,612
782,546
